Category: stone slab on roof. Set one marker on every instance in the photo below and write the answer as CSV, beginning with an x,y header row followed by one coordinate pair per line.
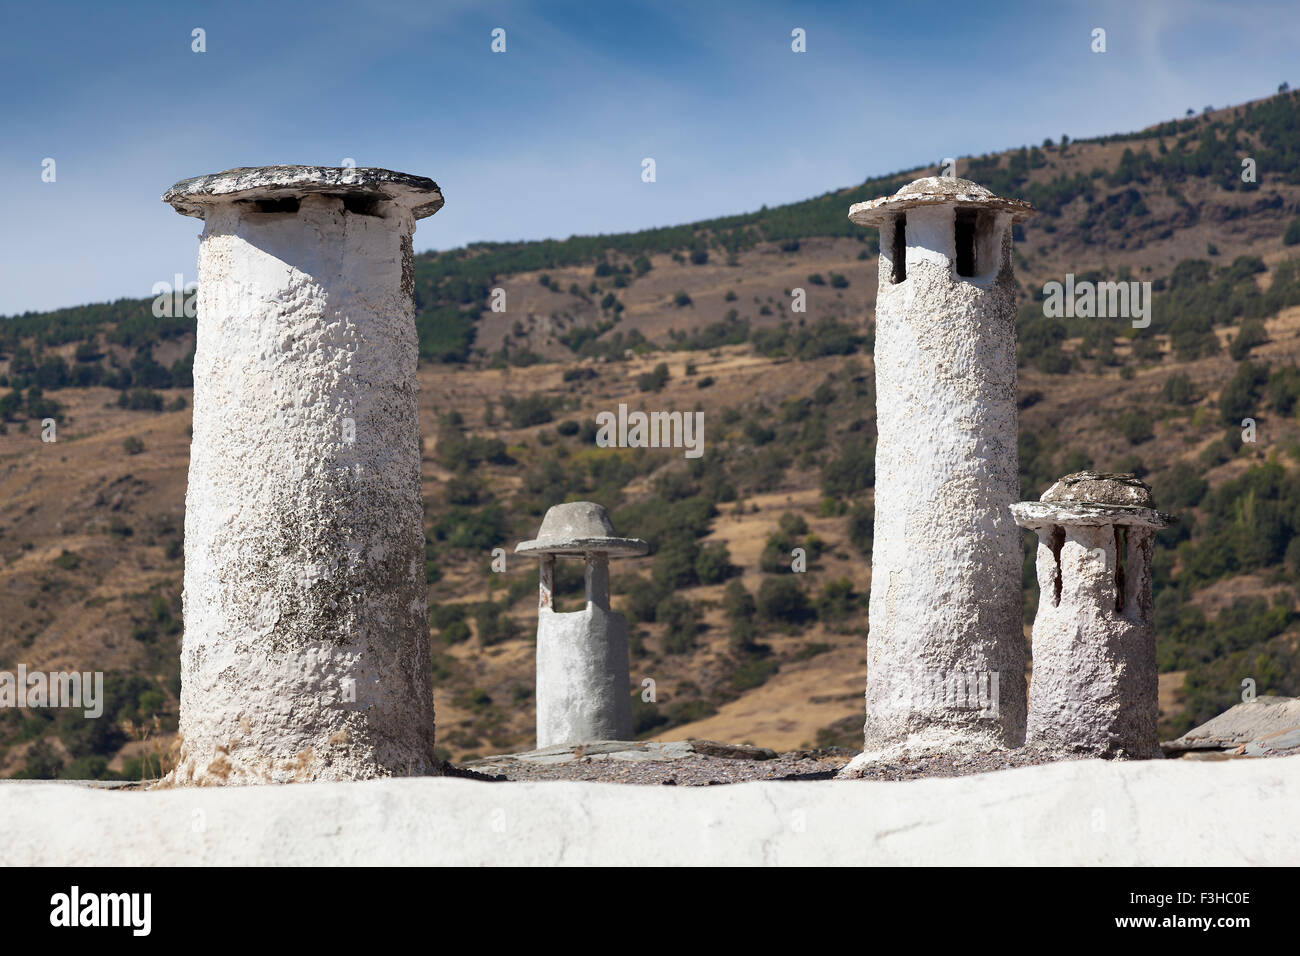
x,y
192,197
1036,514
1265,724
937,191
1093,498
579,527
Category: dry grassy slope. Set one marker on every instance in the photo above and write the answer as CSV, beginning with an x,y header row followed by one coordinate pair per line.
x,y
762,276
64,496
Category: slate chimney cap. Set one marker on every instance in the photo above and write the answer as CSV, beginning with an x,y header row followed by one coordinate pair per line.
x,y
579,527
191,197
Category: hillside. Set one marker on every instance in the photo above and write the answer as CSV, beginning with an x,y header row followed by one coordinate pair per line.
x,y
699,316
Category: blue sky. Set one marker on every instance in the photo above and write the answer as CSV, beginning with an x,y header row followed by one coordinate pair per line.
x,y
546,139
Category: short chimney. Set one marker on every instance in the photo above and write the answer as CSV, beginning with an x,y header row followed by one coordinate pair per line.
x,y
582,657
1094,685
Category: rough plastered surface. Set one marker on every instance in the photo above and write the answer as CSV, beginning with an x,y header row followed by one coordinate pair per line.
x,y
1091,812
1095,684
304,562
945,573
582,677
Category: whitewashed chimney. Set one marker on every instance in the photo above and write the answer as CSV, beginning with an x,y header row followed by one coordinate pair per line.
x,y
945,630
306,650
1094,687
582,656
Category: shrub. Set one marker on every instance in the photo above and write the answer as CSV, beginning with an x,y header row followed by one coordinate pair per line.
x,y
1292,235
1130,465
713,563
1136,427
492,623
862,527
752,672
140,399
1181,487
132,445
471,529
682,620
655,380
674,565
1284,389
853,471
776,556
792,524
738,604
640,598
837,600
1239,398
781,599
757,433
530,410
67,561
43,762
91,767
1250,334
449,621
1178,390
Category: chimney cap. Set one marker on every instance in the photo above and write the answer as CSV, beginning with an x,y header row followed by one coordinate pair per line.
x,y
579,527
1093,498
1102,488
192,197
936,191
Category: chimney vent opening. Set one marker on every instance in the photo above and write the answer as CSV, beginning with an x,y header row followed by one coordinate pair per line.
x,y
964,223
276,205
899,256
362,205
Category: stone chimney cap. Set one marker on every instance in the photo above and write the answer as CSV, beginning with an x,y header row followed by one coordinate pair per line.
x,y
579,527
1102,488
937,191
191,197
1093,498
